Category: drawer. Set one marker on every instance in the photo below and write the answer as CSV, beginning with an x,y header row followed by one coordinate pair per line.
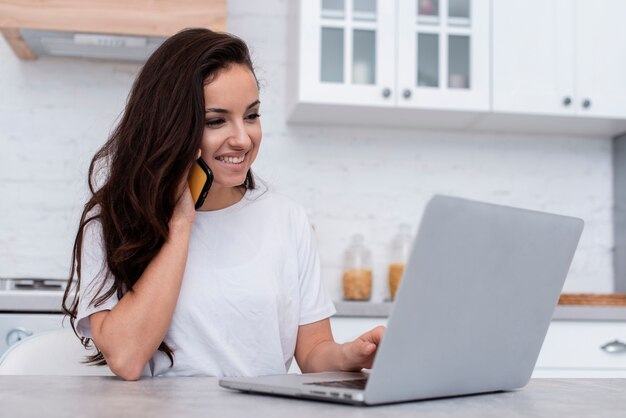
x,y
578,345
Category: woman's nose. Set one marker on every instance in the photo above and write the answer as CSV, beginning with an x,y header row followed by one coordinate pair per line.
x,y
239,137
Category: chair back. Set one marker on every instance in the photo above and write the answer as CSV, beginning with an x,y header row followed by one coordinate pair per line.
x,y
56,352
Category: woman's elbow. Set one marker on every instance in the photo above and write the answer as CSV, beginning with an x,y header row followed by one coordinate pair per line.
x,y
126,368
128,375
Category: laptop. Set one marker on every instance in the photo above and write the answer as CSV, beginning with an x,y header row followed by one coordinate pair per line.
x,y
470,315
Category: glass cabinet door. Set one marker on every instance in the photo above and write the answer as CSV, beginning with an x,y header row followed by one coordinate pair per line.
x,y
347,53
443,55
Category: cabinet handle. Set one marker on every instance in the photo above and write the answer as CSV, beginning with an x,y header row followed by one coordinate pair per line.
x,y
586,103
567,101
614,347
386,92
406,93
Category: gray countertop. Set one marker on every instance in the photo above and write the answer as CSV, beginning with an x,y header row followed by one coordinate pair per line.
x,y
562,312
23,301
63,396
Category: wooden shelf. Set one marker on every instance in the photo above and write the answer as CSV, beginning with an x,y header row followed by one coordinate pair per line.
x,y
593,299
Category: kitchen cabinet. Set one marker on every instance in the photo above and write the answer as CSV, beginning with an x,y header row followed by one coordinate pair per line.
x,y
346,52
562,57
15,326
354,60
571,348
476,65
583,349
443,54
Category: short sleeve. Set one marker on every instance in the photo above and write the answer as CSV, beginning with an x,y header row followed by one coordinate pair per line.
x,y
315,302
94,281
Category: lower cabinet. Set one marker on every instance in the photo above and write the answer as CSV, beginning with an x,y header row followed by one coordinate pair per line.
x,y
14,327
588,349
583,349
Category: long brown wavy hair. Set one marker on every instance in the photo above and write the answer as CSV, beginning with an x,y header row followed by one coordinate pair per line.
x,y
145,159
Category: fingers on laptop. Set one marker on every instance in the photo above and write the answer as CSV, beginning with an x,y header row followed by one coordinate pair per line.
x,y
374,336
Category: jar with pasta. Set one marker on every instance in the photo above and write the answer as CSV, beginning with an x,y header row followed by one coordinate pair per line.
x,y
357,273
398,255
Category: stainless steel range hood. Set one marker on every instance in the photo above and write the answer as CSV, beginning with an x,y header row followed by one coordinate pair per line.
x,y
102,29
90,45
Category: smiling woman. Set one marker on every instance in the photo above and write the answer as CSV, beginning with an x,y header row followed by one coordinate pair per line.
x,y
232,289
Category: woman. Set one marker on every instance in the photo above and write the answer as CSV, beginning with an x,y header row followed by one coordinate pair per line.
x,y
231,289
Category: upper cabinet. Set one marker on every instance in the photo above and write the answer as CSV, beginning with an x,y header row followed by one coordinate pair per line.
x,y
443,54
534,66
347,52
571,63
404,54
601,57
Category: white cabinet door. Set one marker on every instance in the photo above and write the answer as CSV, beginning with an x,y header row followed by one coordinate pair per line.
x,y
346,53
443,54
601,58
533,57
583,349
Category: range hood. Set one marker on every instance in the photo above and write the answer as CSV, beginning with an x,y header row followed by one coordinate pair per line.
x,y
128,30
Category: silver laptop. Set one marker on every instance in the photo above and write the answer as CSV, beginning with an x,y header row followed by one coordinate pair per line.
x,y
470,316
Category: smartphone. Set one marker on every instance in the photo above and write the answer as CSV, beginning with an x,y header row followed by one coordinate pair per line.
x,y
200,180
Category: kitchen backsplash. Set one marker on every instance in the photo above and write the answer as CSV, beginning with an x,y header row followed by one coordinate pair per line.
x,y
55,113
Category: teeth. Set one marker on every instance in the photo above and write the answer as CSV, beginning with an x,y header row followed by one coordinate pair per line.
x,y
231,160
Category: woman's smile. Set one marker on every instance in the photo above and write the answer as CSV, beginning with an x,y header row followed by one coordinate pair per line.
x,y
234,161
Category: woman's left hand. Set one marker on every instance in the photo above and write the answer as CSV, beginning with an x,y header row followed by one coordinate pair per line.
x,y
360,353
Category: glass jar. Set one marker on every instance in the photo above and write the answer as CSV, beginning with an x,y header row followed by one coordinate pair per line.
x,y
357,273
398,256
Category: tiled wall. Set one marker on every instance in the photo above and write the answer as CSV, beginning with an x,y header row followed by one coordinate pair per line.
x,y
54,114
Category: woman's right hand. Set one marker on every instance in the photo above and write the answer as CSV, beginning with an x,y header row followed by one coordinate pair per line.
x,y
185,211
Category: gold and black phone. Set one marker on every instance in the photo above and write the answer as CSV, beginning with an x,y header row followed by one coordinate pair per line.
x,y
200,180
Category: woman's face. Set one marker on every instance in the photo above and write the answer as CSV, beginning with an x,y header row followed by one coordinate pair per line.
x,y
232,132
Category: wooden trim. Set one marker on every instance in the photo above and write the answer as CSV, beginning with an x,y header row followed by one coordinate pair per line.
x,y
17,43
608,299
132,17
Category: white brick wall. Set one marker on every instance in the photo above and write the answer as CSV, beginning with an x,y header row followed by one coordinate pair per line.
x,y
54,114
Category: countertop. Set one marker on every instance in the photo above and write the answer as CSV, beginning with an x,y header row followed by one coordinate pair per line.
x,y
73,396
562,312
24,301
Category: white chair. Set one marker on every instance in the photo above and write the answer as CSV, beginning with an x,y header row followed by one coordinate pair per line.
x,y
57,352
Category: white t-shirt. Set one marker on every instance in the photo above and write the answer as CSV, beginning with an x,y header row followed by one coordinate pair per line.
x,y
252,277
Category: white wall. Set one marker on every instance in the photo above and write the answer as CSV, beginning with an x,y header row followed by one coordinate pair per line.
x,y
54,114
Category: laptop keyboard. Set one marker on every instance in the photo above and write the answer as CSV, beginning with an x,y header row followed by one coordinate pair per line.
x,y
348,384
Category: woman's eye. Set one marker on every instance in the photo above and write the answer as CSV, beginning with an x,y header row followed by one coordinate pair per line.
x,y
253,116
212,123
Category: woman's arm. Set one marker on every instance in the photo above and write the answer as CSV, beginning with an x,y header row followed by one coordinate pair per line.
x,y
317,351
130,333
